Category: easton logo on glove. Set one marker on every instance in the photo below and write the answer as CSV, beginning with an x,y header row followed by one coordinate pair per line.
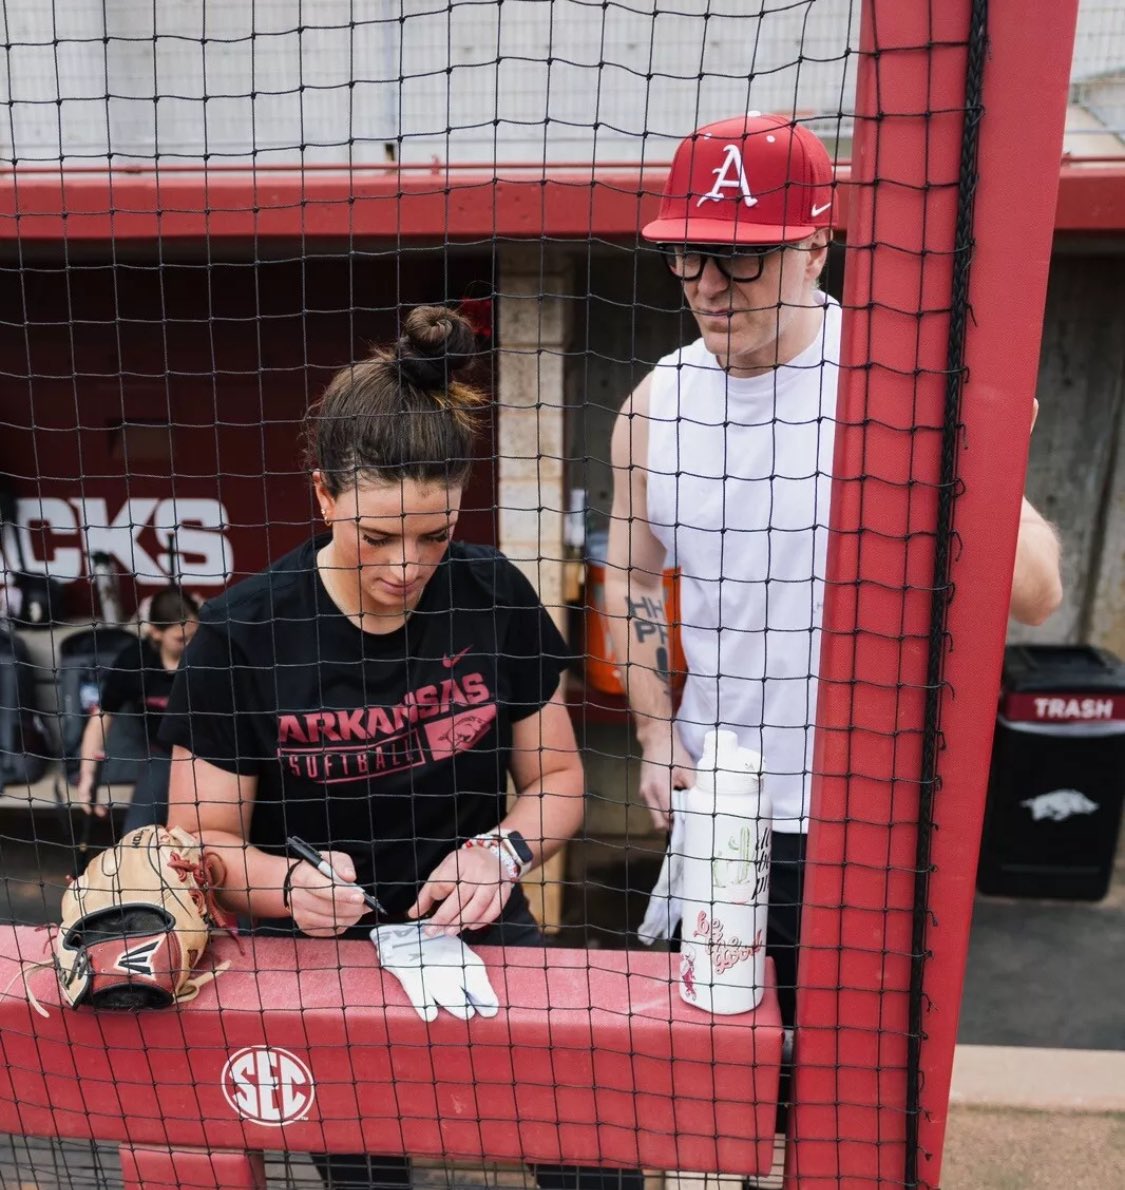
x,y
139,961
136,923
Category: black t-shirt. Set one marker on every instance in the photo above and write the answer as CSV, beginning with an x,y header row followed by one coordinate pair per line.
x,y
137,682
393,748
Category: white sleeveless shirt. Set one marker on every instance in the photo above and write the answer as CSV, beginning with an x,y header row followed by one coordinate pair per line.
x,y
739,478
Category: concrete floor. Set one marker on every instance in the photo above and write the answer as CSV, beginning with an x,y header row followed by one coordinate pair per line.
x,y
1047,973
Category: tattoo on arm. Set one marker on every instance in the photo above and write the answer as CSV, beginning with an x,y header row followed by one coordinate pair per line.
x,y
663,671
649,621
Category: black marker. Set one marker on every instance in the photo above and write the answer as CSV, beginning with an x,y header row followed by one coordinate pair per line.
x,y
299,849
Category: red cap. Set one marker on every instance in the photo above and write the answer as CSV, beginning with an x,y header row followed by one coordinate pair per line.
x,y
754,179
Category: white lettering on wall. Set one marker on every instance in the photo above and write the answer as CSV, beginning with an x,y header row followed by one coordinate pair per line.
x,y
205,558
75,529
61,562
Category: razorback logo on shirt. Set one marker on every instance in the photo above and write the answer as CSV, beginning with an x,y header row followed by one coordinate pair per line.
x,y
431,723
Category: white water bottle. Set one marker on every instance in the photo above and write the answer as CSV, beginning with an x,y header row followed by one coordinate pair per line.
x,y
726,871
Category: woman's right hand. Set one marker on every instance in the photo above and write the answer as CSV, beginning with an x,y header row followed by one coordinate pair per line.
x,y
665,765
318,906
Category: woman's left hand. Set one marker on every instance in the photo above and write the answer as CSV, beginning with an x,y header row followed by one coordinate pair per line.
x,y
470,888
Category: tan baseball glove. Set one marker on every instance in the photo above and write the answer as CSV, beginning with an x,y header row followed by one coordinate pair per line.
x,y
136,922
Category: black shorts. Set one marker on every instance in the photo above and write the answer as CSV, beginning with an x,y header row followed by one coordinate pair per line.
x,y
787,882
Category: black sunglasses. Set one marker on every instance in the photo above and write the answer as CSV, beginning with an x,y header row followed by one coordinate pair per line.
x,y
737,262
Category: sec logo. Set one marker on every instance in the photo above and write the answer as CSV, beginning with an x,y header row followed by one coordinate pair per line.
x,y
268,1086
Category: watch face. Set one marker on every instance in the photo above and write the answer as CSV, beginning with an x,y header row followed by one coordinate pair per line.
x,y
520,847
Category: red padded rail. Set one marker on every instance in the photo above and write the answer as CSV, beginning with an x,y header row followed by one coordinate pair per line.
x,y
593,1059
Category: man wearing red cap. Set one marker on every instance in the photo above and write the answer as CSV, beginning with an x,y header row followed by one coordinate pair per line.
x,y
722,466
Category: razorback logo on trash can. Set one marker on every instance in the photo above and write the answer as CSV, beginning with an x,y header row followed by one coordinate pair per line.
x,y
1059,805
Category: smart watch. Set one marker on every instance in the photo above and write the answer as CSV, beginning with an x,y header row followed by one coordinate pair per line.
x,y
509,847
519,847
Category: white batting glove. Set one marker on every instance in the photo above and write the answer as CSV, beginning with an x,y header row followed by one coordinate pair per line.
x,y
438,972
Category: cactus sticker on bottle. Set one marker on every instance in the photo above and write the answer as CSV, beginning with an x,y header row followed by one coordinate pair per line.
x,y
742,870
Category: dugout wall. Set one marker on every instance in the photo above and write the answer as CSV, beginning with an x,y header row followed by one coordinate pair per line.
x,y
156,369
942,158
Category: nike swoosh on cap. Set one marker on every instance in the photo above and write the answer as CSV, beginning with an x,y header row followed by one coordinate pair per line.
x,y
819,210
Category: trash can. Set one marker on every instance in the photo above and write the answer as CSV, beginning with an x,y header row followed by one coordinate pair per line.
x,y
1058,774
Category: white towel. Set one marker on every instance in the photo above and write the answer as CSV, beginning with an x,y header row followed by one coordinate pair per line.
x,y
665,904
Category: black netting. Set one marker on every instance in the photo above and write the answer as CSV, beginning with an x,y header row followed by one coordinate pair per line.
x,y
449,434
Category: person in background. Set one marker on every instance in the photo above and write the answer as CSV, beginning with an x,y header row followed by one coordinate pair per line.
x,y
138,683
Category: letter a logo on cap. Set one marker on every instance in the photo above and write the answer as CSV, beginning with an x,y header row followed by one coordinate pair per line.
x,y
729,176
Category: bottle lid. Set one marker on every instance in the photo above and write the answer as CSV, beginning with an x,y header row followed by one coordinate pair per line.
x,y
726,765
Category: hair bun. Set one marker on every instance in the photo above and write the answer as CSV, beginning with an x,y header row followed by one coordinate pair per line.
x,y
436,344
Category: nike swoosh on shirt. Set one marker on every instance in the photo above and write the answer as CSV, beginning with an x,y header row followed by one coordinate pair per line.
x,y
819,210
450,662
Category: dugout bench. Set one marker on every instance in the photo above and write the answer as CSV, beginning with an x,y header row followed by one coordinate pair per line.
x,y
304,1045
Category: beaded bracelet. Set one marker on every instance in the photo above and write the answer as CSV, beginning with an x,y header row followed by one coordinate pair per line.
x,y
512,867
